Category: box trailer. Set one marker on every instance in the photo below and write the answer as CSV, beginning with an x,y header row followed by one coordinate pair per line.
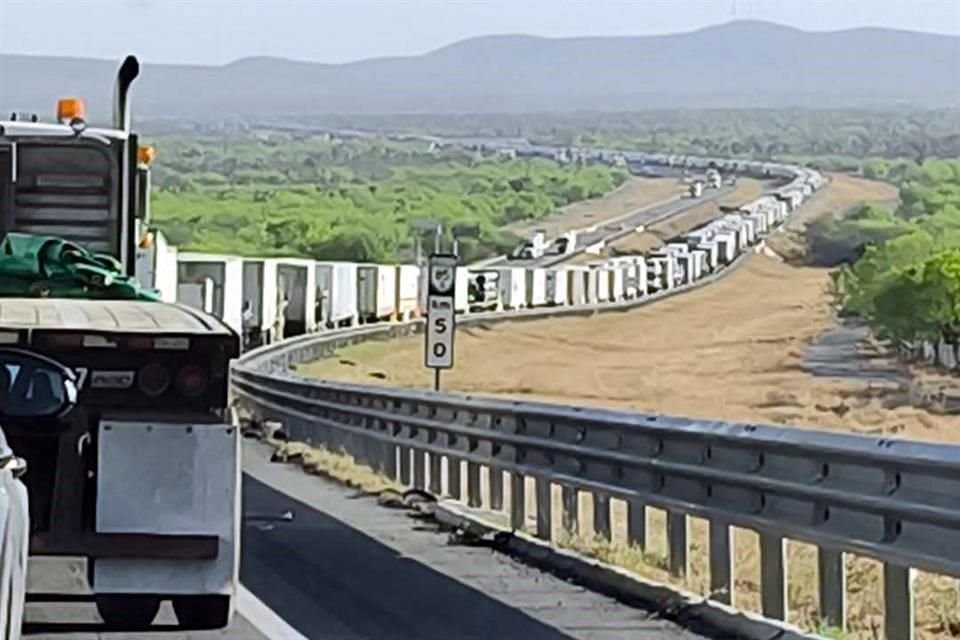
x,y
297,284
481,290
578,285
336,296
536,287
408,292
156,267
259,290
226,272
617,288
198,294
376,292
513,282
556,287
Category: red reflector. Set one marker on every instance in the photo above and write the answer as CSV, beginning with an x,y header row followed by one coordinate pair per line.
x,y
191,381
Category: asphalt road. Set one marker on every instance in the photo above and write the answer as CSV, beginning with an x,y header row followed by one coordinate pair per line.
x,y
347,569
624,225
51,622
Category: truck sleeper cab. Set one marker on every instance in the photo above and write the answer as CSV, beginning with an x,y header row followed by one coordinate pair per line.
x,y
142,478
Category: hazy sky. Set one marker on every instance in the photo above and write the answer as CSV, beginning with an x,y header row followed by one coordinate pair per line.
x,y
218,31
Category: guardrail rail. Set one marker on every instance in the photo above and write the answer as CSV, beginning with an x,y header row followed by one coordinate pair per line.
x,y
891,500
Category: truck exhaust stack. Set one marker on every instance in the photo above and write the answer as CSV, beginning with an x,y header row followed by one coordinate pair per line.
x,y
128,72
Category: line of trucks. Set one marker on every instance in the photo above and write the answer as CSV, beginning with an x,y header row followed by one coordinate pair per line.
x,y
154,375
319,295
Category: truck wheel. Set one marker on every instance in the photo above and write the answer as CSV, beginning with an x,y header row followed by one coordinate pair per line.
x,y
129,612
202,612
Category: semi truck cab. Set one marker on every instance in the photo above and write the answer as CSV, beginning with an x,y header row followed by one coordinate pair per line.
x,y
142,478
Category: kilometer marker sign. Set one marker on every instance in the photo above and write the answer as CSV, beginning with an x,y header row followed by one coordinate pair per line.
x,y
441,314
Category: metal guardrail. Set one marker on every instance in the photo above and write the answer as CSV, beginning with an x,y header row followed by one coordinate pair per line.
x,y
892,500
896,501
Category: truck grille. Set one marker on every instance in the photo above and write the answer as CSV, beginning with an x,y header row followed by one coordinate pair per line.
x,y
66,192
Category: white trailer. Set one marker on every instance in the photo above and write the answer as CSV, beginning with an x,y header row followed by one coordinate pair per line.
x,y
481,289
578,285
156,267
259,290
556,286
226,272
536,287
376,292
407,293
336,295
297,293
513,284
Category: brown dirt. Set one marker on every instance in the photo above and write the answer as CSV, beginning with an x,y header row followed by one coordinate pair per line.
x,y
633,194
729,351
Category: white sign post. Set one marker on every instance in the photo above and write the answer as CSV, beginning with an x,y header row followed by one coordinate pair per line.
x,y
441,314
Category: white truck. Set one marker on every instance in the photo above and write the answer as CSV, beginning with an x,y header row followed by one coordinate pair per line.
x,y
534,248
713,179
696,189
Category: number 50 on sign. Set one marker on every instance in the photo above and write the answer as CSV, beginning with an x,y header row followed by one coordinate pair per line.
x,y
441,323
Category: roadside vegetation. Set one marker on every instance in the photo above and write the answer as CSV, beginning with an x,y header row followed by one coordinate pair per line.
x,y
833,139
365,200
900,268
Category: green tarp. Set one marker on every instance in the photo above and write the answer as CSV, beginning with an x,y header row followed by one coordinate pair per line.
x,y
46,266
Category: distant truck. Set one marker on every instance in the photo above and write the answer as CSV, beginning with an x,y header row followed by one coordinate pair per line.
x,y
565,244
532,249
713,179
696,189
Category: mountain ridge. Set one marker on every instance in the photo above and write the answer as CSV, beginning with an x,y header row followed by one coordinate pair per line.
x,y
737,64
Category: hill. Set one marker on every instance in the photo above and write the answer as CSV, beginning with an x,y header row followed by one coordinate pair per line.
x,y
738,64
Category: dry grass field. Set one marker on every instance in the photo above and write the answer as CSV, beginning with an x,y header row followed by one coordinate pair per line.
x,y
729,351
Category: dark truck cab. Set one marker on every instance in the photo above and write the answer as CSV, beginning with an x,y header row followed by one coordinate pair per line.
x,y
142,477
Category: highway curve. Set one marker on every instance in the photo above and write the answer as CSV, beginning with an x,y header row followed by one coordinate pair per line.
x,y
347,569
624,225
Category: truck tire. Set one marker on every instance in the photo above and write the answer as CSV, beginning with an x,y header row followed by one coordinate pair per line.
x,y
128,612
205,612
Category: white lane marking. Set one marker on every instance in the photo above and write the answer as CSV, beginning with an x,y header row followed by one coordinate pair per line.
x,y
263,617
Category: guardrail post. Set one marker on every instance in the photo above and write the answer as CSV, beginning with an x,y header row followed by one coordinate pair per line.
x,y
832,576
601,515
773,576
473,484
898,609
544,509
570,496
637,523
517,502
436,473
387,460
678,558
405,471
419,469
721,563
495,479
454,488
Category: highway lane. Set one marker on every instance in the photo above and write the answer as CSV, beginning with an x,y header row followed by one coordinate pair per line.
x,y
46,621
617,228
347,569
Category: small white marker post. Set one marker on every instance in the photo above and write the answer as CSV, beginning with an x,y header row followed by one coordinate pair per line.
x,y
441,314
